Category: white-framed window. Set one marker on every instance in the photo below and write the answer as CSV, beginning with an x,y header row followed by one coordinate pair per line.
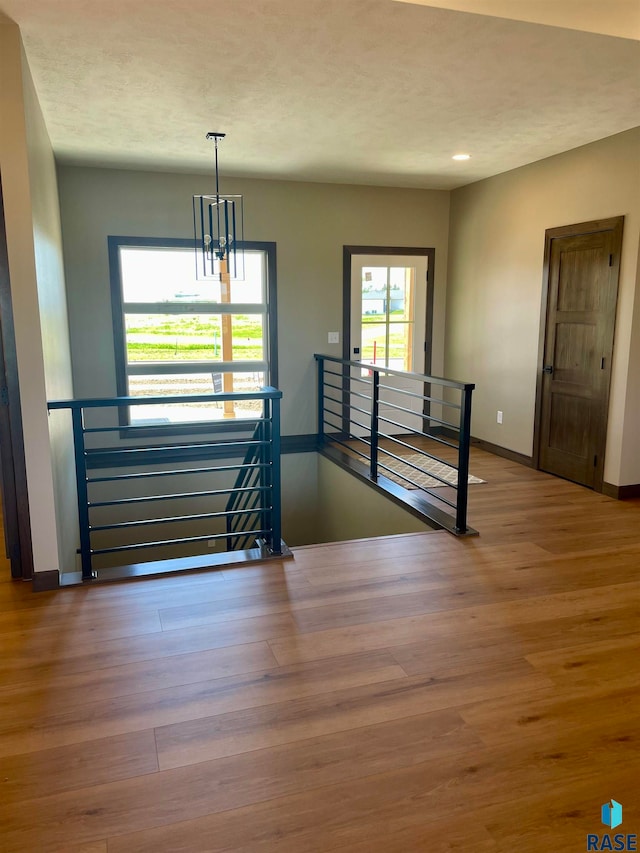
x,y
387,310
176,335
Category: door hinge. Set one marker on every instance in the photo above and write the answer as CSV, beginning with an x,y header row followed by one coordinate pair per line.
x,y
595,461
4,396
602,363
610,260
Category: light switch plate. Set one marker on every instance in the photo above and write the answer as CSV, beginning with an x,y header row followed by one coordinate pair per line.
x,y
333,337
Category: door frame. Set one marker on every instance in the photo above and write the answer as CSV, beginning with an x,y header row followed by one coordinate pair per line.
x,y
13,469
348,252
614,224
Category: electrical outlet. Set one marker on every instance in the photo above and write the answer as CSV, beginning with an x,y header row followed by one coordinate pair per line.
x,y
499,417
333,337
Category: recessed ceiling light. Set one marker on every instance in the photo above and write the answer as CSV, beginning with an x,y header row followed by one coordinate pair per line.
x,y
461,157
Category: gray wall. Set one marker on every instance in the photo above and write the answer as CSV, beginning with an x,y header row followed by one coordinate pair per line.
x,y
301,511
350,509
495,289
309,222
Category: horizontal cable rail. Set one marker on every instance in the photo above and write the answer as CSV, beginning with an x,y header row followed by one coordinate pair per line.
x,y
110,402
156,543
144,474
175,519
427,416
250,489
133,428
119,451
172,497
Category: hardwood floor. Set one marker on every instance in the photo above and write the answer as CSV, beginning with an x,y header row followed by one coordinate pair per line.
x,y
413,693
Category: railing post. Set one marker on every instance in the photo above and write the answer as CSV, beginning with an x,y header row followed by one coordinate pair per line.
x,y
375,401
82,491
276,486
264,434
464,443
346,401
320,401
229,525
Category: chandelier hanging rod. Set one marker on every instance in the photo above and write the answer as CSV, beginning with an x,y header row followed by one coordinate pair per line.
x,y
216,137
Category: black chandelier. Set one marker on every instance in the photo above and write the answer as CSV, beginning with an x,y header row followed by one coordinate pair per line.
x,y
218,231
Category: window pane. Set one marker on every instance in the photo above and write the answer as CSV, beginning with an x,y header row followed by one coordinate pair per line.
x,y
400,346
155,274
253,287
373,343
196,383
374,291
247,332
173,337
194,337
400,294
374,277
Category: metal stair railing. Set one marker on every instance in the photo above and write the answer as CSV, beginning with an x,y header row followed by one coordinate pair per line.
x,y
253,502
375,421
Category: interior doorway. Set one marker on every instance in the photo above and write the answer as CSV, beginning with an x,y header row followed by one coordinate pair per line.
x,y
580,293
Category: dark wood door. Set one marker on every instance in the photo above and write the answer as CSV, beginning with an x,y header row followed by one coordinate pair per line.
x,y
582,293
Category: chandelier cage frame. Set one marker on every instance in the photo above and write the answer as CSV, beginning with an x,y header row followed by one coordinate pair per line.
x,y
218,225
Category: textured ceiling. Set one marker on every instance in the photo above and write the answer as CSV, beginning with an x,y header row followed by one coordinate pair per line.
x,y
607,17
357,91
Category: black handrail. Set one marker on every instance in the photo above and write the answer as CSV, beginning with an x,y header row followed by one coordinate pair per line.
x,y
257,488
455,434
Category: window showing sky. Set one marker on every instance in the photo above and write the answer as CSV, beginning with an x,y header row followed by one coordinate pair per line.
x,y
169,275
